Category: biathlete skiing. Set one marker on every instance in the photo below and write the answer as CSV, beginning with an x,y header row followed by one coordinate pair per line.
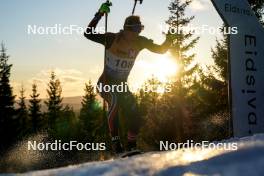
x,y
122,49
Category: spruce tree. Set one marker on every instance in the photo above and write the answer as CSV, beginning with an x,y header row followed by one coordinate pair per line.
x,y
183,40
35,109
22,114
165,116
93,125
7,100
66,125
90,112
89,99
54,102
177,103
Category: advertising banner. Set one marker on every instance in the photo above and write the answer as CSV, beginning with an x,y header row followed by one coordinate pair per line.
x,y
246,63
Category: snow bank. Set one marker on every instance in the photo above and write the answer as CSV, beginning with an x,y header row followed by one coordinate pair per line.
x,y
247,160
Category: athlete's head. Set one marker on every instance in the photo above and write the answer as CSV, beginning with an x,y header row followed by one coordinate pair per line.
x,y
133,24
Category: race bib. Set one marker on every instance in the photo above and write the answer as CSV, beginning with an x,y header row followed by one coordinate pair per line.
x,y
119,65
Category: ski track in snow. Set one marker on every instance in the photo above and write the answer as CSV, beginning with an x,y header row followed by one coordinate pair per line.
x,y
248,160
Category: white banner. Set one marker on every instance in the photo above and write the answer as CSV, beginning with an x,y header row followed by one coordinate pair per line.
x,y
246,58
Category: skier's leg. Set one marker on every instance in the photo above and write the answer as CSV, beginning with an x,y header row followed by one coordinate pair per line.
x,y
131,112
113,122
112,117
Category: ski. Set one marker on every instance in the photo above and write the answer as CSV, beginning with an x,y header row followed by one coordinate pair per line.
x,y
130,153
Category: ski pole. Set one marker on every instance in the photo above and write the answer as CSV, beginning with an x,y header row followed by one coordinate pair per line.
x,y
106,29
135,4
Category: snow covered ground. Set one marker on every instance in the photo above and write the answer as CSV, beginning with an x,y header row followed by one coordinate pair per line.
x,y
248,160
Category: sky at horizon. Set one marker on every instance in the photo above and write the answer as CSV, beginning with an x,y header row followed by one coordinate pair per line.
x,y
75,59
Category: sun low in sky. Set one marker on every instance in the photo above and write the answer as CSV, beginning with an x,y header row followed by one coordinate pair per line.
x,y
162,67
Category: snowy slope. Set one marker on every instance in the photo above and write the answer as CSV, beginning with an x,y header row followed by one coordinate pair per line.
x,y
248,160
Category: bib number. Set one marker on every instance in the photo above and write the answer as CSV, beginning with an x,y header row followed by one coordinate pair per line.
x,y
120,65
124,64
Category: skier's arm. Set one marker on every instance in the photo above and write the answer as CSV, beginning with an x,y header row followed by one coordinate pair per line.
x,y
99,38
160,49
